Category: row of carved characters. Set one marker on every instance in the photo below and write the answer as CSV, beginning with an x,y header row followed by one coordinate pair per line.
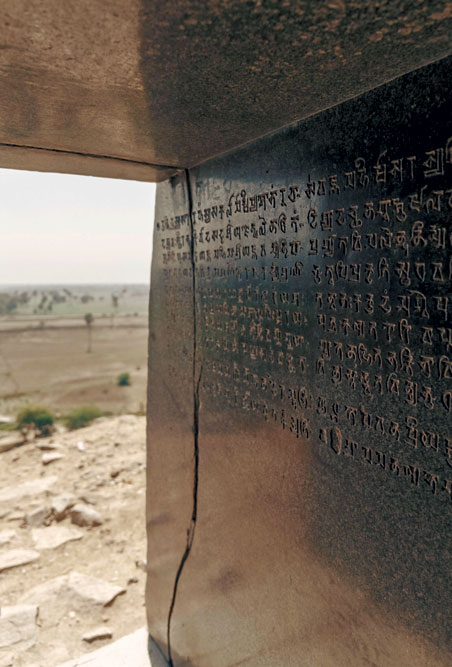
x,y
233,345
243,400
433,163
386,210
329,247
420,236
250,293
173,223
409,304
177,273
435,238
410,432
253,332
275,272
177,241
300,426
400,332
370,385
172,256
405,272
233,312
425,200
417,476
250,251
401,361
235,372
298,398
236,271
385,170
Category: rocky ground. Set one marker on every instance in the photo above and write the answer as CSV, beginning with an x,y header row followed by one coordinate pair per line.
x,y
72,541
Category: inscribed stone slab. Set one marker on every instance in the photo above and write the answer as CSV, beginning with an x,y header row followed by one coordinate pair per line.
x,y
300,443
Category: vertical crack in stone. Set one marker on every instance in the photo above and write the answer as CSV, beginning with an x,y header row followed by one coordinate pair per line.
x,y
196,383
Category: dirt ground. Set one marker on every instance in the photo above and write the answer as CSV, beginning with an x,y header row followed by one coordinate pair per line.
x,y
44,360
51,366
102,466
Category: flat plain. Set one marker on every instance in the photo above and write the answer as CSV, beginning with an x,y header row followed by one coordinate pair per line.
x,y
45,343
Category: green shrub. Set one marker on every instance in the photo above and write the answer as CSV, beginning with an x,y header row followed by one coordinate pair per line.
x,y
82,416
124,380
36,417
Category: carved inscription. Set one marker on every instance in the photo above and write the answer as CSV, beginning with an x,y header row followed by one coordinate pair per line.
x,y
324,306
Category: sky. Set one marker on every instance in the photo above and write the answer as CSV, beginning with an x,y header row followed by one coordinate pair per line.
x,y
60,228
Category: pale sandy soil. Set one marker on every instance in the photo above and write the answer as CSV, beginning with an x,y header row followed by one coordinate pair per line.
x,y
110,475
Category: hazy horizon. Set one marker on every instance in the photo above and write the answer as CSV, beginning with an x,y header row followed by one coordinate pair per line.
x,y
62,229
72,284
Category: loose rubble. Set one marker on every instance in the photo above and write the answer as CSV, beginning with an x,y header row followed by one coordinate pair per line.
x,y
16,558
35,487
47,446
83,515
61,505
38,516
6,536
54,536
18,626
10,442
98,633
69,541
74,586
51,457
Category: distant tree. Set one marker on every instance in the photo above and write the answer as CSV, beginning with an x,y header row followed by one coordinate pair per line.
x,y
89,319
115,304
11,305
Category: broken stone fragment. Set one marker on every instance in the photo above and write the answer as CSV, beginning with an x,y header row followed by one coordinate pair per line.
x,y
17,515
11,494
37,517
50,457
7,660
130,651
18,627
71,587
141,565
54,536
10,441
98,633
60,506
17,557
89,499
6,536
83,515
47,446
